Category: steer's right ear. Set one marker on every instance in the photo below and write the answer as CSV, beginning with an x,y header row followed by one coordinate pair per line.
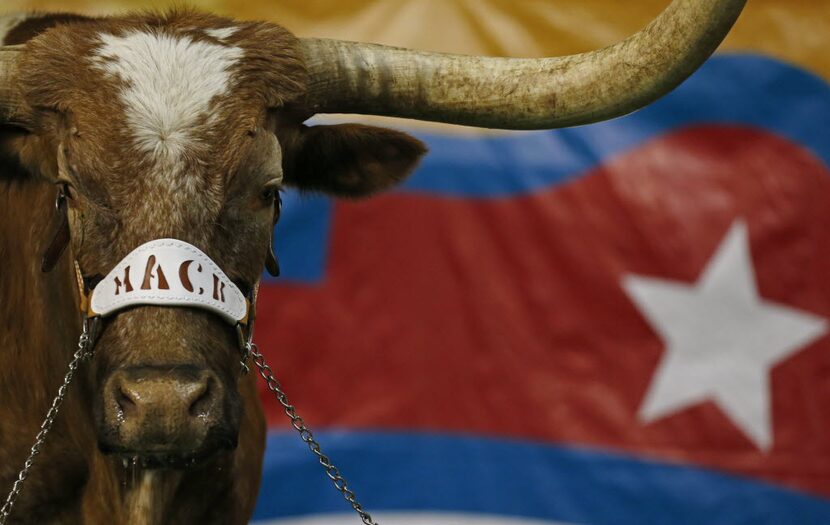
x,y
13,141
27,151
22,154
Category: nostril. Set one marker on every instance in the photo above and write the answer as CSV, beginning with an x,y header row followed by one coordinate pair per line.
x,y
164,399
201,405
126,401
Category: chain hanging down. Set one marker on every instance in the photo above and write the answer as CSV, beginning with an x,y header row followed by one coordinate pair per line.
x,y
80,354
84,351
305,433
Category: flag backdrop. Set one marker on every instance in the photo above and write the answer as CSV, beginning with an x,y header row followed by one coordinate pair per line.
x,y
623,323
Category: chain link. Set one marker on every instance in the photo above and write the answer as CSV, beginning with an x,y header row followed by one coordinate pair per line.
x,y
306,435
80,354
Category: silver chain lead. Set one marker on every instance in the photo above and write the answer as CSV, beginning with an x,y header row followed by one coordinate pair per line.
x,y
306,435
80,354
267,374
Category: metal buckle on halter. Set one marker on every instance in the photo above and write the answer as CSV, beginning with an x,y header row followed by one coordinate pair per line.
x,y
92,329
244,348
245,331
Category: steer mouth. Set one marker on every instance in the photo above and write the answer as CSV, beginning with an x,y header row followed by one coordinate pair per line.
x,y
167,457
150,478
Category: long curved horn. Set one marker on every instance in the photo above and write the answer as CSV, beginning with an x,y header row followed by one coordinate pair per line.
x,y
516,93
11,105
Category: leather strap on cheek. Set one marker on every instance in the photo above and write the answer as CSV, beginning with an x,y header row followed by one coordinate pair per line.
x,y
83,293
60,238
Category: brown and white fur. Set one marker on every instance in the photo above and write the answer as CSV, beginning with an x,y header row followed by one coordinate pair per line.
x,y
157,125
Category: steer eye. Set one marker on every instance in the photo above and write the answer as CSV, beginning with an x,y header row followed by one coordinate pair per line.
x,y
269,194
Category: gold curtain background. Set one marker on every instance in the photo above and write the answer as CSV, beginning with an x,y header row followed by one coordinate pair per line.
x,y
794,30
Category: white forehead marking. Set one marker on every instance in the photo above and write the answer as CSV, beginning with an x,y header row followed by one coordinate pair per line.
x,y
222,32
171,80
8,22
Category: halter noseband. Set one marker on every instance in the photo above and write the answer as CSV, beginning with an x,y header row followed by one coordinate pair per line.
x,y
168,272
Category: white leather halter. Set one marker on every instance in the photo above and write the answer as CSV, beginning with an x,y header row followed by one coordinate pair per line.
x,y
169,272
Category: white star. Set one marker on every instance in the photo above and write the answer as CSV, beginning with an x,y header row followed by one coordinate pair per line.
x,y
721,339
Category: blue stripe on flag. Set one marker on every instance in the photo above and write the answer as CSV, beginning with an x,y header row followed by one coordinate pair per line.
x,y
393,472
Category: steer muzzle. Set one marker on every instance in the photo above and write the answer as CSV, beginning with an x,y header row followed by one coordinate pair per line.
x,y
165,416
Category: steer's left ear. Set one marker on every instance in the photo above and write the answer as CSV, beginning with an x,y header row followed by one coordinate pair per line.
x,y
349,160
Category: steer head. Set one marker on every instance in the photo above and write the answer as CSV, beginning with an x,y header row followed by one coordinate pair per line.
x,y
181,126
187,126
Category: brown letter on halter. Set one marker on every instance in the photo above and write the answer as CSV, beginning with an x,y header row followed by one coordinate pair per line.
x,y
126,283
183,277
148,275
218,289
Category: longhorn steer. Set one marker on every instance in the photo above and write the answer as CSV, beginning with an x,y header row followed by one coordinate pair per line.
x,y
185,125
